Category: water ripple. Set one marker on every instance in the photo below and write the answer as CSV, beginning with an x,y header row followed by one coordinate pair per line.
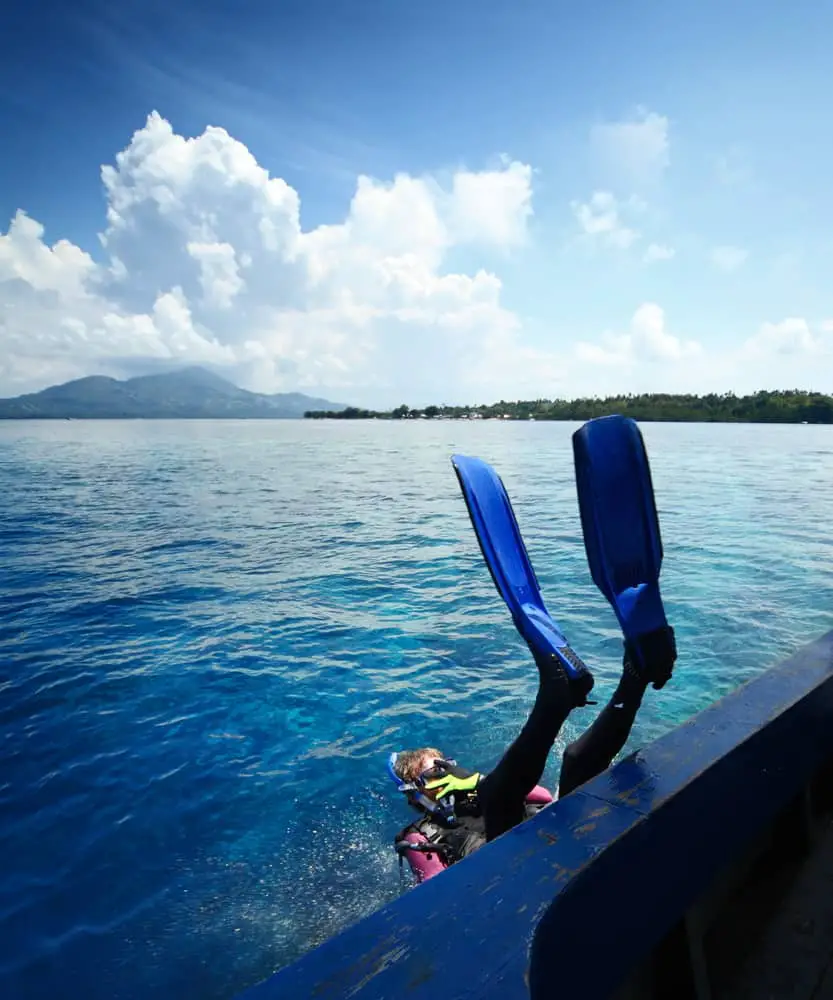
x,y
213,633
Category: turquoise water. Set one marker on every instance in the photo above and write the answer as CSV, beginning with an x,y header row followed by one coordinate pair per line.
x,y
212,634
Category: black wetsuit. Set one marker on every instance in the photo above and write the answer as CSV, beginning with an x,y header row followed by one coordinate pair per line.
x,y
499,801
462,837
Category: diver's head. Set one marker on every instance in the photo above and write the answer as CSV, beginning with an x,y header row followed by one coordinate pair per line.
x,y
412,764
431,776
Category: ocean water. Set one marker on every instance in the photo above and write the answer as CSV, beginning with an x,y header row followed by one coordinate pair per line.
x,y
213,633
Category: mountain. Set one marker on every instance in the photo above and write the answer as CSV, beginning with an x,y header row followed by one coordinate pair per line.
x,y
190,392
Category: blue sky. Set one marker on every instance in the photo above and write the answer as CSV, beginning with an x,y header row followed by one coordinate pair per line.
x,y
557,199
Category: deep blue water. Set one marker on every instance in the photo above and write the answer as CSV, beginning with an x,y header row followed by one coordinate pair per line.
x,y
213,633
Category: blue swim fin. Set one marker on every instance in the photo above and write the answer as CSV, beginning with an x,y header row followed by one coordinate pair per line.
x,y
622,536
494,523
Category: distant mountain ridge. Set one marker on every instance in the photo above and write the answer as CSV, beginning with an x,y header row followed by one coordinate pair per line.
x,y
186,393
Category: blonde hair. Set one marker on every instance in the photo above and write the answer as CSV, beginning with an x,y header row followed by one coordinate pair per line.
x,y
409,762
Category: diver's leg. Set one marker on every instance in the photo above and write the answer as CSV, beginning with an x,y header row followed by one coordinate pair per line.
x,y
595,749
503,791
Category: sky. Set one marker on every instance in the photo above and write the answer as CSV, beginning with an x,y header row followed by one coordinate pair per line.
x,y
382,202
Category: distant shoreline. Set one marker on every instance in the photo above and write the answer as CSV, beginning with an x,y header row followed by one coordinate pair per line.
x,y
290,420
52,418
780,407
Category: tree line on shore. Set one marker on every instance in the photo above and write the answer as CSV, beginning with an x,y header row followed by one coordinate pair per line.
x,y
786,406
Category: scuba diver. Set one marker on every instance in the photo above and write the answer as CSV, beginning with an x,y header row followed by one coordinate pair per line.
x,y
460,810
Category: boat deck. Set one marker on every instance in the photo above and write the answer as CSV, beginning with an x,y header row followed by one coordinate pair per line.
x,y
793,957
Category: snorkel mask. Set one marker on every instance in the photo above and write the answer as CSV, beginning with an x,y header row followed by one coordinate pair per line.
x,y
443,779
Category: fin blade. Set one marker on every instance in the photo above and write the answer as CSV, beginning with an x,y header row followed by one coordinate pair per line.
x,y
504,552
619,520
497,531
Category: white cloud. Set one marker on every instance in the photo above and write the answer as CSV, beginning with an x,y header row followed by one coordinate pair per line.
x,y
205,261
219,274
658,251
791,353
728,258
646,341
637,148
492,206
600,219
24,258
792,336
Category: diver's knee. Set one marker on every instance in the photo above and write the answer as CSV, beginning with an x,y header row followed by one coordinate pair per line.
x,y
570,757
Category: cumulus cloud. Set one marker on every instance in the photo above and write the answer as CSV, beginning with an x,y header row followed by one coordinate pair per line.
x,y
646,341
792,336
658,251
601,219
205,260
492,206
219,273
648,358
789,353
728,258
638,148
25,259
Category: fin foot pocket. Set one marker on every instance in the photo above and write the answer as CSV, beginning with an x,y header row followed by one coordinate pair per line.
x,y
653,655
580,679
569,670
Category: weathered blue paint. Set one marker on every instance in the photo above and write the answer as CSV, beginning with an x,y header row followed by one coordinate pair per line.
x,y
569,901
